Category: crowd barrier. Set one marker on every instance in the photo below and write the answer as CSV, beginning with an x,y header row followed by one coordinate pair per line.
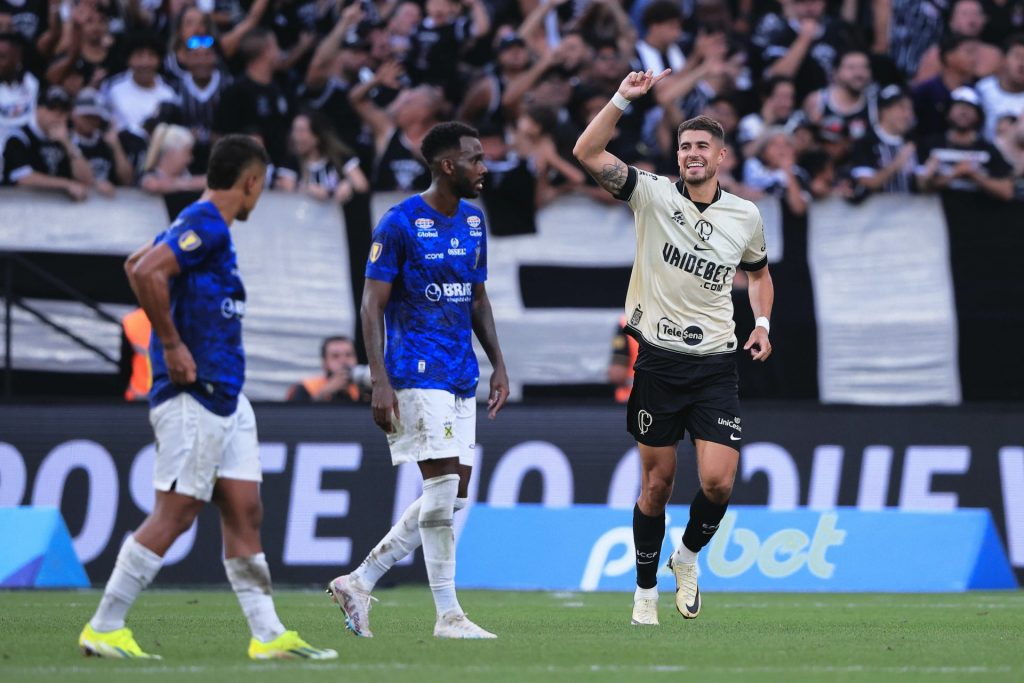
x,y
330,491
898,300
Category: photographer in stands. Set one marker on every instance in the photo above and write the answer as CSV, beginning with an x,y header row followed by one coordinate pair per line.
x,y
343,380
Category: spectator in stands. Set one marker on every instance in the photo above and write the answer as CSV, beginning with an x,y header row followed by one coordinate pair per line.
x,y
167,162
401,25
801,43
1010,141
848,104
93,134
19,89
254,102
556,67
908,30
136,94
321,165
1002,94
884,160
441,40
620,366
658,49
535,141
485,101
966,18
333,71
340,381
605,21
957,55
39,23
773,170
777,105
399,129
510,190
960,160
199,94
190,23
90,49
41,155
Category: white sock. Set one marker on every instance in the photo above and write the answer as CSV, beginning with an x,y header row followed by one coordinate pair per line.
x,y
437,506
134,569
250,579
684,555
402,539
645,593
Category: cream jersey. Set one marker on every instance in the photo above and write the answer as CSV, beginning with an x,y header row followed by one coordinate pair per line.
x,y
680,290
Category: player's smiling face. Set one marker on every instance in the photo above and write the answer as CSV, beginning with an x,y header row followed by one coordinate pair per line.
x,y
699,155
468,169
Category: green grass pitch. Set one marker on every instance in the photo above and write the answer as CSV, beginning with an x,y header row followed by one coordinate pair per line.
x,y
542,637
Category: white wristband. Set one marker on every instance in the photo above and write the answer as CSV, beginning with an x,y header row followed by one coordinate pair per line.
x,y
620,102
763,322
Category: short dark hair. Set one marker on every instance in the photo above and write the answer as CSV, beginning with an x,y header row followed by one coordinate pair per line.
x,y
659,12
143,41
952,42
705,123
253,43
1016,40
445,137
230,157
769,85
852,51
330,340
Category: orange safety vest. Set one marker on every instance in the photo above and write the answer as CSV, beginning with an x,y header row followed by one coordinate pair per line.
x,y
622,393
313,385
138,329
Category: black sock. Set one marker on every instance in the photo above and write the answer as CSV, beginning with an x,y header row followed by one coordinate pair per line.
x,y
704,519
648,535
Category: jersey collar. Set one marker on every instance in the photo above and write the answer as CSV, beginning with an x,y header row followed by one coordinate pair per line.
x,y
681,186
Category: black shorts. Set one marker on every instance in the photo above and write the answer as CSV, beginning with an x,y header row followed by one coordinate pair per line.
x,y
660,411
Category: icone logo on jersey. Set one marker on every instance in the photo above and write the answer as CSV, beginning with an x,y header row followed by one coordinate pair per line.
x,y
434,257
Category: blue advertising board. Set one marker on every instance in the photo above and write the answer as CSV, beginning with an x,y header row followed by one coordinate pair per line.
x,y
590,547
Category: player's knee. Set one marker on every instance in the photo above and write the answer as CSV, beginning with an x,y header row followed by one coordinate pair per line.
x,y
657,491
717,491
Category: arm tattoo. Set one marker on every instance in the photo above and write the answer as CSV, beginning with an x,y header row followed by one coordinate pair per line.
x,y
613,176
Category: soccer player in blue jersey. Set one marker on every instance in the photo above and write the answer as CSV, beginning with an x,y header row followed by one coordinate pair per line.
x,y
187,282
425,278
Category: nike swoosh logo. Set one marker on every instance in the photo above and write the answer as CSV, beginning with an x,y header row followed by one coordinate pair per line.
x,y
701,248
733,437
696,603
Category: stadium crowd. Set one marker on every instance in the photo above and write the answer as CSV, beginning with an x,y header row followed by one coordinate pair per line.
x,y
817,97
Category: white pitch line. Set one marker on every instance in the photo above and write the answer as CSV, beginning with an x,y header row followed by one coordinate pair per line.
x,y
594,668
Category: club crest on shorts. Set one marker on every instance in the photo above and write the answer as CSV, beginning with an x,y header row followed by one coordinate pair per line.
x,y
644,420
375,249
449,428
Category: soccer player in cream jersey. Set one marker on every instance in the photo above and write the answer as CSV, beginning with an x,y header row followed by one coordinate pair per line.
x,y
425,275
690,239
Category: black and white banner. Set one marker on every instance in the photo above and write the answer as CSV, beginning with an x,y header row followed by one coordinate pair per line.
x,y
330,491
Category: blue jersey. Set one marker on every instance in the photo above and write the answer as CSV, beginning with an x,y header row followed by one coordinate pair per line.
x,y
432,262
207,305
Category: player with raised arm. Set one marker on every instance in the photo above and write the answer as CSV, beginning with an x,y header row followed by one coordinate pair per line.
x,y
691,238
425,278
188,284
